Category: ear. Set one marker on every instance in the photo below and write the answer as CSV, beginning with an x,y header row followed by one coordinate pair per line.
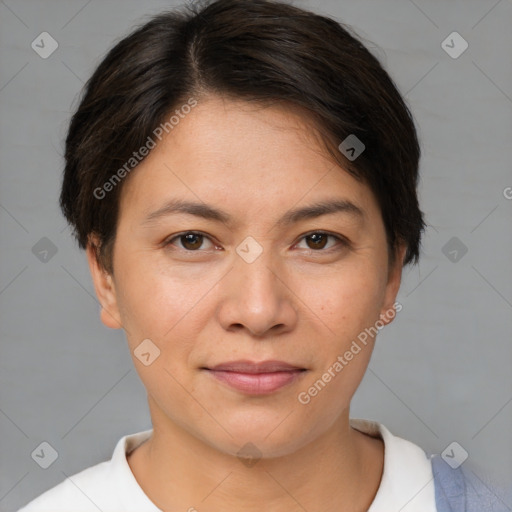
x,y
388,311
104,287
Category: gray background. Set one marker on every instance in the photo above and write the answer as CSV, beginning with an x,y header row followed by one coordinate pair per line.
x,y
440,372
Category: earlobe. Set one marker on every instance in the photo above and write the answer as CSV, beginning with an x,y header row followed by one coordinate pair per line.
x,y
109,320
104,287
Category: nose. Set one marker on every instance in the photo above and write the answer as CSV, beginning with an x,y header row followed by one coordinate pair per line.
x,y
256,297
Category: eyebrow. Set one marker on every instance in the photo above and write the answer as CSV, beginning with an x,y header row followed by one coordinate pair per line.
x,y
205,211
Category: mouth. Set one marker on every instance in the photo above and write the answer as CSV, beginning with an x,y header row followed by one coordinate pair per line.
x,y
256,378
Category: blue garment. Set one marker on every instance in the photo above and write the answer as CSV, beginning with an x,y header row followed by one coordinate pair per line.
x,y
457,490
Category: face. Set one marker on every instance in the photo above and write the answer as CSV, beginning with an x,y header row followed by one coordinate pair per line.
x,y
255,271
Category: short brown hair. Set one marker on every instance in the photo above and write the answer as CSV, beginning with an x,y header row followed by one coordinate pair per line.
x,y
257,50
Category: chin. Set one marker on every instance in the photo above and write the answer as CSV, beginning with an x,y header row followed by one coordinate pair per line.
x,y
262,437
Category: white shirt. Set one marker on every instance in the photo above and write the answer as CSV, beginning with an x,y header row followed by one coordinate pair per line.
x,y
407,483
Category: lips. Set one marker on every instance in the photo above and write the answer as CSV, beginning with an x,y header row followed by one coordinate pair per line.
x,y
256,378
245,366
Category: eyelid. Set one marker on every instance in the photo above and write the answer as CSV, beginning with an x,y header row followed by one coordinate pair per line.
x,y
169,241
342,241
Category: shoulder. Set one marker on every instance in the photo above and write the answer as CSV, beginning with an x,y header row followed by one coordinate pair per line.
x,y
406,482
461,489
109,485
80,489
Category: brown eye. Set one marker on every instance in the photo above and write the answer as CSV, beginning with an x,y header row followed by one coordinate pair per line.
x,y
189,241
322,242
318,240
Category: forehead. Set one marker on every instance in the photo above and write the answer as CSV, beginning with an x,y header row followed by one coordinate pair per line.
x,y
243,155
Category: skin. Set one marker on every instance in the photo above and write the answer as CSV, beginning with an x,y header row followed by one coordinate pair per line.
x,y
202,304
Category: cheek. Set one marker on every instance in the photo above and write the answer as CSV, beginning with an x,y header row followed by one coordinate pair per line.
x,y
163,310
154,302
347,301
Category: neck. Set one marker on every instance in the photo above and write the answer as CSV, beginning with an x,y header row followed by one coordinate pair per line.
x,y
339,470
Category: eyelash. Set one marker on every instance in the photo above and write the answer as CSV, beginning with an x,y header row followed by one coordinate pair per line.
x,y
342,242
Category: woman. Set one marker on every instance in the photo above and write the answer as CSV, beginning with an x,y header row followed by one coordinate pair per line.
x,y
243,175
